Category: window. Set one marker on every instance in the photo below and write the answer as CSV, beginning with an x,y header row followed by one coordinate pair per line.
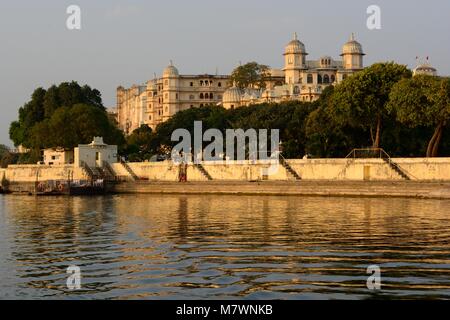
x,y
219,84
176,96
150,117
310,79
319,78
192,84
296,90
326,79
201,96
97,156
211,96
333,78
201,83
191,97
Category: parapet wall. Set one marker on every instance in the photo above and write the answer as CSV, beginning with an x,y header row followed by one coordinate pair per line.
x,y
422,169
33,173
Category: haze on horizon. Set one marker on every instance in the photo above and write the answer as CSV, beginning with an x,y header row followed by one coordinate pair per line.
x,y
127,42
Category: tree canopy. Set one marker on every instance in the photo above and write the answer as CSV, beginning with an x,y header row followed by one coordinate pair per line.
x,y
250,75
361,100
63,116
423,101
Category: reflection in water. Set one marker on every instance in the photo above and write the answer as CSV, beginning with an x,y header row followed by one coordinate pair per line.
x,y
144,246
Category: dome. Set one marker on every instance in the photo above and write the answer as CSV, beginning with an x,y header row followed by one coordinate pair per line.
x,y
425,69
170,72
232,95
295,46
352,47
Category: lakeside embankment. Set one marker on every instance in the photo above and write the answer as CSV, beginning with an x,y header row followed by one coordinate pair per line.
x,y
407,177
406,189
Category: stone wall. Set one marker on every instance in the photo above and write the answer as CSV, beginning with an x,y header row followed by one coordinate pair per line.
x,y
32,173
436,169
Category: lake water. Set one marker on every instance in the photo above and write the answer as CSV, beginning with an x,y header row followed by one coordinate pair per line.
x,y
223,247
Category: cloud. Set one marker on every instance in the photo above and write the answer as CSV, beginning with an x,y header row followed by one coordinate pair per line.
x,y
121,11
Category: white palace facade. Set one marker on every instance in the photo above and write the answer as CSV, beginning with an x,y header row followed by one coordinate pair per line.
x,y
300,79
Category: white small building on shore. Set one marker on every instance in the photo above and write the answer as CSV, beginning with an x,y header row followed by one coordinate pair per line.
x,y
57,156
95,153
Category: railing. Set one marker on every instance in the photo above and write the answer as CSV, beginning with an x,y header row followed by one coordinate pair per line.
x,y
371,153
365,153
88,170
129,170
109,170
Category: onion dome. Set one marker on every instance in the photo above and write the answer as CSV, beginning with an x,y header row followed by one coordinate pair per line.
x,y
295,46
352,47
170,72
232,95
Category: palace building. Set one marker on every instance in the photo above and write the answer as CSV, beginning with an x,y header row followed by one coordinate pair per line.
x,y
304,80
159,99
300,79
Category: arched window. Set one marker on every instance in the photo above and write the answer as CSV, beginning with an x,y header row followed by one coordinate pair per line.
x,y
201,96
319,78
211,96
296,90
219,84
310,78
201,83
326,79
333,78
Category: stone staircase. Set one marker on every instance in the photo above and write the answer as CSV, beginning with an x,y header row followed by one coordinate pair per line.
x,y
129,170
394,166
108,172
289,169
202,169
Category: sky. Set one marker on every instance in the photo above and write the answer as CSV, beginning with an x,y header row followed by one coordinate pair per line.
x,y
127,42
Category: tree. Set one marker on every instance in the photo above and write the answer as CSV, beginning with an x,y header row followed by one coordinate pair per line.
x,y
141,144
63,116
250,75
423,101
44,103
361,99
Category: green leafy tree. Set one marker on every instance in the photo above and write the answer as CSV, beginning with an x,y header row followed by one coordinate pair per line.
x,y
250,75
423,101
63,116
361,100
141,144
